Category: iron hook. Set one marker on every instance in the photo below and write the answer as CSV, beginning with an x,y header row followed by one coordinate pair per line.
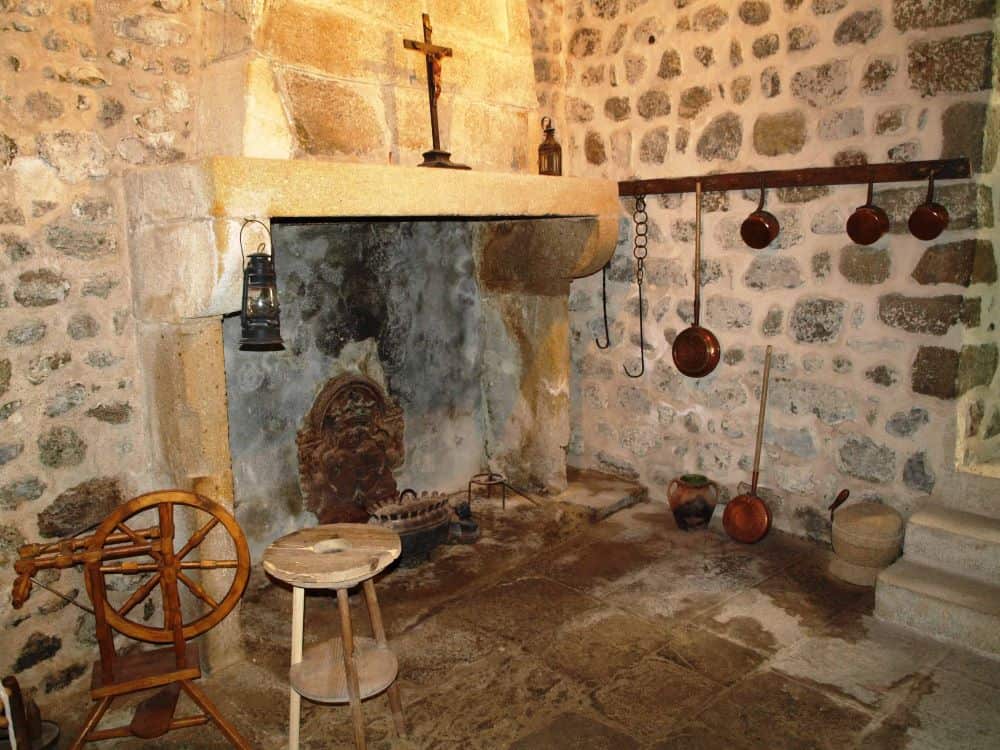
x,y
604,305
642,342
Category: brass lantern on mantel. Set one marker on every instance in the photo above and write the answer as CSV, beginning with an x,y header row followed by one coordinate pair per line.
x,y
549,152
260,320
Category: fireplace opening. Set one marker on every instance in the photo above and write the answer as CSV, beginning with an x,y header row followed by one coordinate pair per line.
x,y
410,351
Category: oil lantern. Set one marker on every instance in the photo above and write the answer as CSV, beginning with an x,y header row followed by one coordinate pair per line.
x,y
260,314
549,152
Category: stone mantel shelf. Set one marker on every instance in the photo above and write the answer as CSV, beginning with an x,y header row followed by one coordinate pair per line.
x,y
184,219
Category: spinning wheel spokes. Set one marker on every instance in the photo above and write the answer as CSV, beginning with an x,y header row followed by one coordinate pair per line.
x,y
196,589
116,540
197,538
138,595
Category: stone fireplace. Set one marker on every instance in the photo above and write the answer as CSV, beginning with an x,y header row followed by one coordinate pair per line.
x,y
476,265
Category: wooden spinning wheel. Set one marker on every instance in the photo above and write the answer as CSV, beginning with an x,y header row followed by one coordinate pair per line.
x,y
156,551
117,540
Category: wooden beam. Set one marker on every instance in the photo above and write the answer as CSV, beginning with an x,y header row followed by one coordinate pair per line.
x,y
862,174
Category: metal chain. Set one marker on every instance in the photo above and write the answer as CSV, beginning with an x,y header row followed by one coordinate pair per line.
x,y
639,251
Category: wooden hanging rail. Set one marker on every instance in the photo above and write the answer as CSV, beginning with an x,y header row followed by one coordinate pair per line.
x,y
862,174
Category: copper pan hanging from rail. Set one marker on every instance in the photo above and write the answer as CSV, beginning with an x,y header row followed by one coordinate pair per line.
x,y
747,518
696,349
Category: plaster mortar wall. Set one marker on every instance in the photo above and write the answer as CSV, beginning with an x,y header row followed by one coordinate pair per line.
x,y
88,91
654,89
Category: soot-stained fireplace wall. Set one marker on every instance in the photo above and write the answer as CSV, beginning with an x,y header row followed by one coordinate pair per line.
x,y
399,302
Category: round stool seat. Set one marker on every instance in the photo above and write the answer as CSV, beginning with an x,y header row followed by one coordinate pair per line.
x,y
869,521
332,556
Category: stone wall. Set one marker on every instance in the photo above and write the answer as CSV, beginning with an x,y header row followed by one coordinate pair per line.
x,y
349,90
91,90
880,352
88,90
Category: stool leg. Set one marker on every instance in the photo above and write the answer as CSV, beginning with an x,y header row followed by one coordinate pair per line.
x,y
294,700
351,668
375,615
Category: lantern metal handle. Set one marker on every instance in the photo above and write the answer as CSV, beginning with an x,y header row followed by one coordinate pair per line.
x,y
246,223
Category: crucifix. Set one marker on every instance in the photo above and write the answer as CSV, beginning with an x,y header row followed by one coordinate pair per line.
x,y
435,157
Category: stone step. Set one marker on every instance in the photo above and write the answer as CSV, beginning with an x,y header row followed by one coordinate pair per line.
x,y
940,604
956,541
601,494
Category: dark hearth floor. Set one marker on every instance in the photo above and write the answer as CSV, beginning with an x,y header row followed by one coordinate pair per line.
x,y
552,632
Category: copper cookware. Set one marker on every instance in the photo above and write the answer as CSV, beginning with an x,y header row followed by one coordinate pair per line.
x,y
696,350
928,219
761,227
747,518
868,222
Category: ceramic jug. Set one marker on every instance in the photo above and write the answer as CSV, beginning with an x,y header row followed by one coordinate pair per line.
x,y
692,498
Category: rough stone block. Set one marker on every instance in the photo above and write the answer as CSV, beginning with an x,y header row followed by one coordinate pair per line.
x,y
817,320
670,64
878,75
951,65
61,446
584,42
653,148
865,265
859,27
41,288
766,45
822,85
769,272
338,44
781,133
844,123
926,14
964,262
75,156
976,366
964,126
935,372
693,101
861,457
334,119
933,315
652,104
80,506
905,424
709,19
722,138
831,405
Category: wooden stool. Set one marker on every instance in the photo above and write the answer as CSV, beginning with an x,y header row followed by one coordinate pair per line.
x,y
338,556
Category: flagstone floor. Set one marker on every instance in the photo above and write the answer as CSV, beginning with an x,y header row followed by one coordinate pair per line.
x,y
552,632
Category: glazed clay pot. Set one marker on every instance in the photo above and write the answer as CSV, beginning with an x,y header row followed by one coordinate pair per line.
x,y
692,498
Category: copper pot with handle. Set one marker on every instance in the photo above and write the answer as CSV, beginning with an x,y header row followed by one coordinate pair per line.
x,y
696,350
928,219
760,228
868,222
747,518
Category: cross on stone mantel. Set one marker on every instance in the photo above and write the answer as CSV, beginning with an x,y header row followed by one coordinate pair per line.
x,y
433,52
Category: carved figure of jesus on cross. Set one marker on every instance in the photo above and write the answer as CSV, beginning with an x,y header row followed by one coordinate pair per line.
x,y
435,157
